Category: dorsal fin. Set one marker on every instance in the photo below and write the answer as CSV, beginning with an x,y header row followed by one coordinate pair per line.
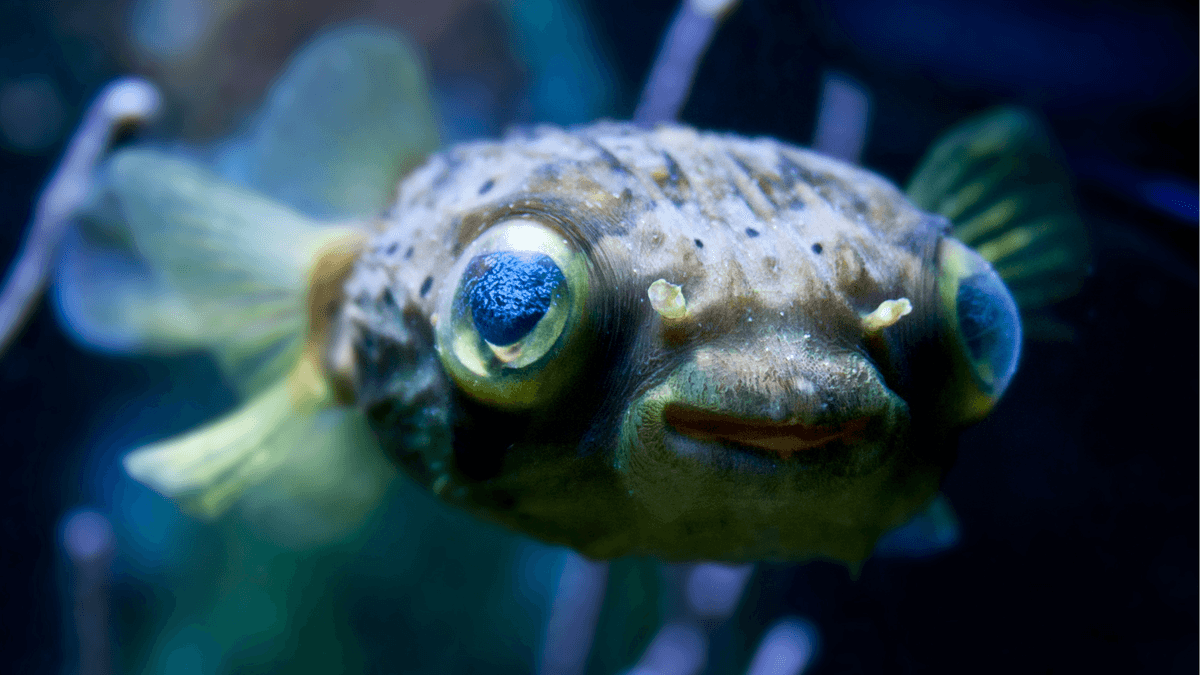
x,y
1000,179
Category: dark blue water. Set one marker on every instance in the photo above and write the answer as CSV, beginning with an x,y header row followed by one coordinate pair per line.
x,y
1077,497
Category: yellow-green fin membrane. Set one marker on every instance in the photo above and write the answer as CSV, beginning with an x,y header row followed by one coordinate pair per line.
x,y
999,178
208,468
171,258
350,116
286,451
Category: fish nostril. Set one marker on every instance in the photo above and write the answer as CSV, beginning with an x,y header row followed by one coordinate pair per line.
x,y
780,438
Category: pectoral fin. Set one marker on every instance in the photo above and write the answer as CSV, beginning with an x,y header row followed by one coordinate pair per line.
x,y
171,258
288,455
208,468
1000,179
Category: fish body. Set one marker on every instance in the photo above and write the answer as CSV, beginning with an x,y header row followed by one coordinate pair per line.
x,y
764,422
628,340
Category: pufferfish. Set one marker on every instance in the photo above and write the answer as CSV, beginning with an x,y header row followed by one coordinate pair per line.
x,y
625,340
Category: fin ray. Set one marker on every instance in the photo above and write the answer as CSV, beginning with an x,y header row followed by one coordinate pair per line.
x,y
343,156
1000,179
171,258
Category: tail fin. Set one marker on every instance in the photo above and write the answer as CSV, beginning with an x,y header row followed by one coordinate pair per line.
x,y
999,178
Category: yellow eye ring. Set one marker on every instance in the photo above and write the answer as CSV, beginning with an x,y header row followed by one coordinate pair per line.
x,y
509,332
985,328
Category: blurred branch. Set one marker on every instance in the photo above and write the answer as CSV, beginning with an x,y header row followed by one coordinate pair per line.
x,y
573,617
123,103
675,66
89,542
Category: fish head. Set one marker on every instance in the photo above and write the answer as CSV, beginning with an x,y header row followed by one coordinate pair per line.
x,y
671,343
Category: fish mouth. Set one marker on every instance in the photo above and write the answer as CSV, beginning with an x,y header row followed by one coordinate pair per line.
x,y
780,439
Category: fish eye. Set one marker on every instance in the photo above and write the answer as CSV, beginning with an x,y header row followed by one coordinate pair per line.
x,y
510,330
985,324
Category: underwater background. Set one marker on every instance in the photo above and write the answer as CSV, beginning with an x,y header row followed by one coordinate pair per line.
x,y
1076,499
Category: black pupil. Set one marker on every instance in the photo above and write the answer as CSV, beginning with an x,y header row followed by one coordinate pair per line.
x,y
509,292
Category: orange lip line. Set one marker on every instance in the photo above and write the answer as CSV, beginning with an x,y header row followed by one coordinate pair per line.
x,y
779,438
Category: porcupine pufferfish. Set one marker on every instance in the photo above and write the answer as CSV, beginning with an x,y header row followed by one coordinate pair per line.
x,y
625,340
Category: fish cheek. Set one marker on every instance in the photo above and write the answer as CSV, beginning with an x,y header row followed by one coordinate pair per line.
x,y
483,436
382,354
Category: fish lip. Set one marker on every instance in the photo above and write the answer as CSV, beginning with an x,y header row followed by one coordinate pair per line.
x,y
740,459
777,440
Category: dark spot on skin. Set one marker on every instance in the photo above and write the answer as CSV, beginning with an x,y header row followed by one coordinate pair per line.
x,y
610,159
487,186
426,285
743,165
751,232
816,248
790,173
673,170
408,253
699,244
451,166
672,181
392,249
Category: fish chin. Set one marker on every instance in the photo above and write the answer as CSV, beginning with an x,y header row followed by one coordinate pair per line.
x,y
771,488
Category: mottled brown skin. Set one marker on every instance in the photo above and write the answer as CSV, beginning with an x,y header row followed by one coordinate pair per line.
x,y
650,444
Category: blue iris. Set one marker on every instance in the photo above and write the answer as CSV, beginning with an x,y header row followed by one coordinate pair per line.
x,y
509,292
989,323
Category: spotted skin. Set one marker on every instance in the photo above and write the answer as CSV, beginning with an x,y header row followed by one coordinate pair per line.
x,y
763,424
